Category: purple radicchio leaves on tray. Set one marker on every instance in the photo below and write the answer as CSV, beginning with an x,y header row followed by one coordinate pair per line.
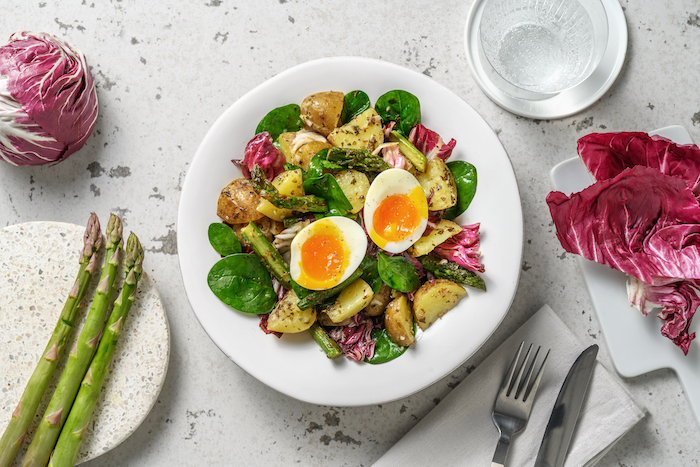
x,y
607,154
678,302
645,224
641,222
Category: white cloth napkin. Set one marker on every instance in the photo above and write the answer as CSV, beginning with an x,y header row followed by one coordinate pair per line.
x,y
459,430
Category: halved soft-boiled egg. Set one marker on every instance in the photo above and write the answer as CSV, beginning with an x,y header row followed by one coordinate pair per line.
x,y
396,210
326,252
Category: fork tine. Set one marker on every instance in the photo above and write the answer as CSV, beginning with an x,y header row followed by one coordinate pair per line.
x,y
508,381
536,384
528,376
521,385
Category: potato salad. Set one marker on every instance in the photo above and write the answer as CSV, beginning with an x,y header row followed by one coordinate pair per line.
x,y
343,225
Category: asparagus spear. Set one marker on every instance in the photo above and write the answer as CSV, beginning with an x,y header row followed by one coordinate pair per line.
x,y
14,434
317,297
452,271
357,159
79,358
410,151
71,436
268,254
329,346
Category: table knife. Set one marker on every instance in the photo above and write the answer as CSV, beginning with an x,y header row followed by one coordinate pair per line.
x,y
562,422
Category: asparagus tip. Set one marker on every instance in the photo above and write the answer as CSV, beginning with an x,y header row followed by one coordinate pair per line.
x,y
134,255
92,238
114,231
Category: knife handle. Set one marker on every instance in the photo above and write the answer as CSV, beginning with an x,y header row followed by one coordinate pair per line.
x,y
499,457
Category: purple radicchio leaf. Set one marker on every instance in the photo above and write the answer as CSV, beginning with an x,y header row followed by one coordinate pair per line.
x,y
641,222
260,151
48,102
678,302
355,339
430,143
462,248
393,157
607,154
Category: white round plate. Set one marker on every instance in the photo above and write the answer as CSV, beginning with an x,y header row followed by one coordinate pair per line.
x,y
568,102
295,365
39,261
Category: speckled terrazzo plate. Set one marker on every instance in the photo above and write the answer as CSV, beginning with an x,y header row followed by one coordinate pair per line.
x,y
295,365
39,262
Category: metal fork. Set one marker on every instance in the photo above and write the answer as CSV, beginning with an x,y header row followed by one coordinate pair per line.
x,y
514,401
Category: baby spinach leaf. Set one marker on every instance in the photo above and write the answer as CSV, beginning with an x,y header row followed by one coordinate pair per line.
x,y
465,178
397,272
318,164
385,349
401,107
241,281
326,187
281,120
371,273
224,239
354,103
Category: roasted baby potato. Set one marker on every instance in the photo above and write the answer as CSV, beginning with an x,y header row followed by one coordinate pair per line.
x,y
324,320
398,321
355,186
321,111
287,183
380,300
287,317
362,132
439,185
444,230
432,301
351,301
299,150
238,202
303,155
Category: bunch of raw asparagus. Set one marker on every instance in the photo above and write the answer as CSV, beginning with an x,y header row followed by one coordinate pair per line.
x,y
63,426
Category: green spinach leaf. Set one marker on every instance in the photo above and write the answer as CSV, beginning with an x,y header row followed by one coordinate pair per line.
x,y
397,272
401,107
241,281
325,186
318,164
385,349
224,239
354,103
465,178
281,120
370,273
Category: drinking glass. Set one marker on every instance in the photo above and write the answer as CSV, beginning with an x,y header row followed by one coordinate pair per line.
x,y
535,49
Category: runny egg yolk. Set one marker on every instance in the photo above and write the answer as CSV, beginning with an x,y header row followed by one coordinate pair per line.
x,y
324,259
397,217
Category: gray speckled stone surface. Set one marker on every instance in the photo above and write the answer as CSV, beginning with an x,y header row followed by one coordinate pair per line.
x,y
166,70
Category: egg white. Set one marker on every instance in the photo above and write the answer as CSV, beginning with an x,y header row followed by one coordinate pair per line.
x,y
388,183
350,233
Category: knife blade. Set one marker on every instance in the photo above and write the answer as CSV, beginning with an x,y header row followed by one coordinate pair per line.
x,y
562,422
